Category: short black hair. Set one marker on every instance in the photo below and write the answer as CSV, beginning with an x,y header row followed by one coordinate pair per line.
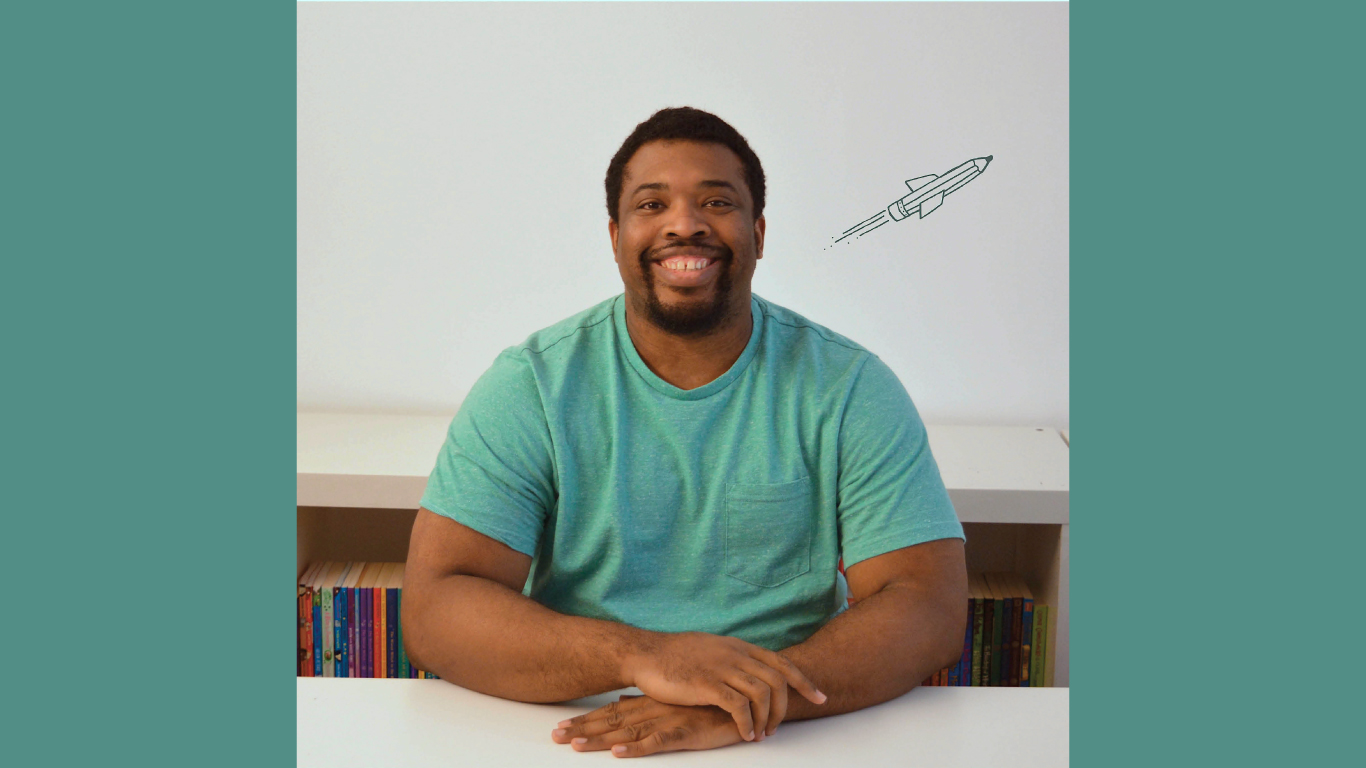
x,y
685,124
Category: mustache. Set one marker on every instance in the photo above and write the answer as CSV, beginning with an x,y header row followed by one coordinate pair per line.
x,y
718,252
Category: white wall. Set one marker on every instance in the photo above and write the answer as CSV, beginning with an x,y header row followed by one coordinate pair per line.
x,y
451,159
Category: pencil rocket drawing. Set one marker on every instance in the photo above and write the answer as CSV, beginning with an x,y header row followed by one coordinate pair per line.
x,y
927,194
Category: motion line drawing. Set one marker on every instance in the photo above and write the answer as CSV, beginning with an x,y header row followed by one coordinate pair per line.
x,y
927,194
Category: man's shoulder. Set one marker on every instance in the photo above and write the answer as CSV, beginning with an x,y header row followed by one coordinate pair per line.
x,y
791,329
582,327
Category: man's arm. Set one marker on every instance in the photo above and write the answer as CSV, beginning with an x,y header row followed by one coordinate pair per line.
x,y
906,623
466,619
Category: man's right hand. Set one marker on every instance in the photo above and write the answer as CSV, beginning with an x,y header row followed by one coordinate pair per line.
x,y
696,668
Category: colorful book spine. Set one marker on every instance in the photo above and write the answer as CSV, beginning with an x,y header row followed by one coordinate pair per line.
x,y
1007,658
377,631
403,665
391,632
325,628
1016,625
308,610
367,636
988,628
978,614
1027,642
1040,629
1037,651
965,659
338,632
1000,640
299,609
353,619
305,637
317,633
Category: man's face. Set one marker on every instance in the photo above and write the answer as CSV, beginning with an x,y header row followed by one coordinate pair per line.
x,y
685,205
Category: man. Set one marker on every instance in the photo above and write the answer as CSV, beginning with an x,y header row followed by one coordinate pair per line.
x,y
656,492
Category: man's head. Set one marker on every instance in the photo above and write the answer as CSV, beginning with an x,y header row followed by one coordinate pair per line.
x,y
685,190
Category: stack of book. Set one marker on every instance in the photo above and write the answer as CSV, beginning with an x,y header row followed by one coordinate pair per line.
x,y
1005,643
349,621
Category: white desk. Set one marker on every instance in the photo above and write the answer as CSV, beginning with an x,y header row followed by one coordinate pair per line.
x,y
403,723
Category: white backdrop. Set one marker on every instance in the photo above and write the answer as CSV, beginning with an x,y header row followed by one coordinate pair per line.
x,y
451,163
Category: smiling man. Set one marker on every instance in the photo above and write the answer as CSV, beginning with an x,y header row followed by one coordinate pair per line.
x,y
656,492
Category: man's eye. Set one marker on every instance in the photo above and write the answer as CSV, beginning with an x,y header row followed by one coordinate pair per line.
x,y
718,203
649,205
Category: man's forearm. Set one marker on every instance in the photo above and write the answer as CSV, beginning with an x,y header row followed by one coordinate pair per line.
x,y
877,650
481,635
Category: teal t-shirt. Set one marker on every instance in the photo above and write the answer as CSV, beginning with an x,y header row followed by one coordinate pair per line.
x,y
721,509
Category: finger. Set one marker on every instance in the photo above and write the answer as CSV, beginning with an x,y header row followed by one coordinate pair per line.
x,y
603,719
589,729
629,733
759,696
789,671
608,710
620,718
737,705
777,706
663,740
625,696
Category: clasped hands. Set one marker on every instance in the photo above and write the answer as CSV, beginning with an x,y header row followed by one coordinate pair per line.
x,y
701,691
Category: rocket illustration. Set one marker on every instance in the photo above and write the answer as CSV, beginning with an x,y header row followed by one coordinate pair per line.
x,y
928,192
926,195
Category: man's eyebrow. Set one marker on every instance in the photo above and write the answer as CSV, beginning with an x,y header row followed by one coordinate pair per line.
x,y
709,183
718,183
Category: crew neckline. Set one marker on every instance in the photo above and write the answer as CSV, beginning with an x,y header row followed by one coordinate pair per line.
x,y
706,390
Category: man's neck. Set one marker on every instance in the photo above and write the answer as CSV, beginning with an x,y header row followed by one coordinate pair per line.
x,y
687,362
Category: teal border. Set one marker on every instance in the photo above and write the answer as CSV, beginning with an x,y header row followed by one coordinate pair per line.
x,y
148,311
1216,159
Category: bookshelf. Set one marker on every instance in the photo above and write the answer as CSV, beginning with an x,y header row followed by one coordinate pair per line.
x,y
361,476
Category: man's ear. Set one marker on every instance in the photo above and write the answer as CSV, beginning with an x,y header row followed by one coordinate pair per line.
x,y
612,231
759,225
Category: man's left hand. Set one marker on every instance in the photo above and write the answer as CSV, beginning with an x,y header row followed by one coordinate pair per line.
x,y
640,726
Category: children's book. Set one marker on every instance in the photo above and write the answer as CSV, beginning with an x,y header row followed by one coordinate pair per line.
x,y
1039,649
404,668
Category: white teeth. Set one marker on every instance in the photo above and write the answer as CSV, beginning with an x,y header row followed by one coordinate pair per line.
x,y
685,266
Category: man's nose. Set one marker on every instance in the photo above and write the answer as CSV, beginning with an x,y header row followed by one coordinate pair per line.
x,y
686,221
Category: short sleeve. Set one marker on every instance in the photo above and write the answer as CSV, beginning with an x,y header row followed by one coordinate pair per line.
x,y
495,472
890,492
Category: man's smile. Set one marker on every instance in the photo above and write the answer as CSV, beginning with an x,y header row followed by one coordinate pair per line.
x,y
686,271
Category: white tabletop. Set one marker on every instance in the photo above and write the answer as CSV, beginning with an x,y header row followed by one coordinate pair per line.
x,y
364,722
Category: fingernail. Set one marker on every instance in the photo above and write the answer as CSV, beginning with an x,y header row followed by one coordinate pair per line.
x,y
558,732
580,740
563,723
619,749
822,701
751,735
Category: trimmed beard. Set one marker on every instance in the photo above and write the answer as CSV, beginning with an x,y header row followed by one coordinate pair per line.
x,y
690,319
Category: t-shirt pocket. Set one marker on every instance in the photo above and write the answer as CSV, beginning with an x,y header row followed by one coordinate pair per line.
x,y
769,531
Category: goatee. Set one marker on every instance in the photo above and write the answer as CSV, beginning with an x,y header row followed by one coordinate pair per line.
x,y
692,318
